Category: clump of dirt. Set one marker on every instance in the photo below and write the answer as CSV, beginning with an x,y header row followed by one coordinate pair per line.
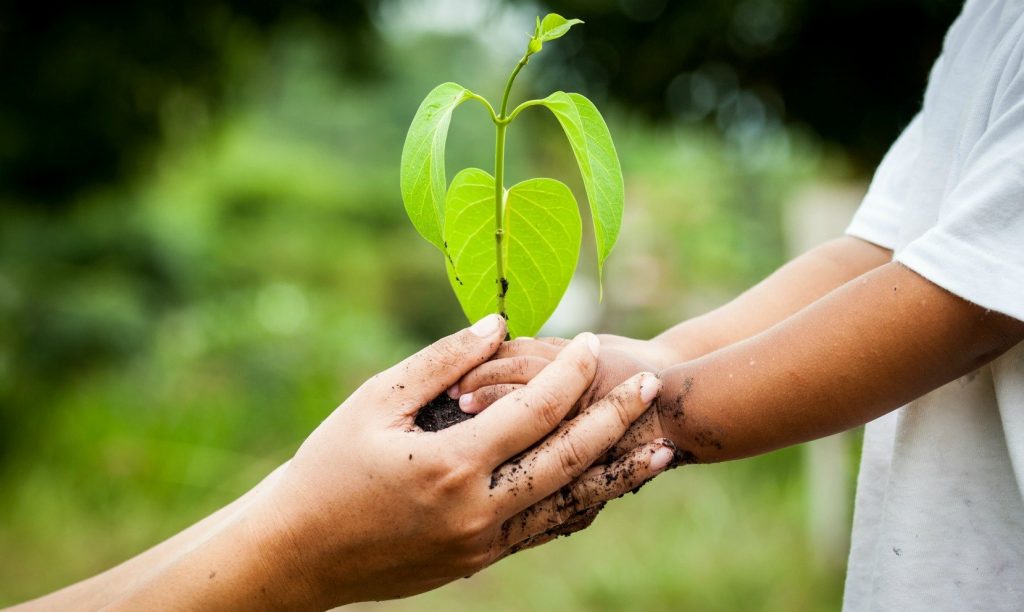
x,y
441,413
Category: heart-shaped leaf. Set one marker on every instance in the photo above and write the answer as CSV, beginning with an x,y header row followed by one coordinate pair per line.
x,y
422,175
599,164
541,245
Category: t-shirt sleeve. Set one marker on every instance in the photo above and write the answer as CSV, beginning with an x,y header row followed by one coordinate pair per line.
x,y
877,220
977,250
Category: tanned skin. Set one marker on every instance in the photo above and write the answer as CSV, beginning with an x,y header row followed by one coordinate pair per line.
x,y
835,338
371,507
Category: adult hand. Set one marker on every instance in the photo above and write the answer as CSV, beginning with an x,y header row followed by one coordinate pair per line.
x,y
371,507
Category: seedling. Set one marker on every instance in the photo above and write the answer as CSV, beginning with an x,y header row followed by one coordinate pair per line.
x,y
511,251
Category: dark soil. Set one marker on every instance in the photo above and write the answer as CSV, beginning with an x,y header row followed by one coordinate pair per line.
x,y
441,413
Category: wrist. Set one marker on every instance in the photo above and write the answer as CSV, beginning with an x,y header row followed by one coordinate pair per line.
x,y
682,343
276,538
665,353
654,355
681,420
692,414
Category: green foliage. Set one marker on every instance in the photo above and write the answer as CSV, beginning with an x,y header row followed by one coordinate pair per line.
x,y
166,342
422,175
543,226
599,164
528,261
554,26
96,82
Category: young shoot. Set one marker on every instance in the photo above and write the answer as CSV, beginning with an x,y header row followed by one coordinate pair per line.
x,y
511,251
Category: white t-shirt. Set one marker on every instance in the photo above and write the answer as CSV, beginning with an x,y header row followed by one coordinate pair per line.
x,y
939,518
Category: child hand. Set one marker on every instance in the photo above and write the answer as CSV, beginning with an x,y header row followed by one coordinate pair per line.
x,y
517,362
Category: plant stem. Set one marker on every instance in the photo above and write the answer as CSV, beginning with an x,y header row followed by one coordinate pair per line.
x,y
501,125
521,108
487,105
500,281
508,85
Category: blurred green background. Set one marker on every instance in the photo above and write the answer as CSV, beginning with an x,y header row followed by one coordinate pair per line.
x,y
203,251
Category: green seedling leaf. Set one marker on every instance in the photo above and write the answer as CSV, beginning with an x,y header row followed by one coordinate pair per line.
x,y
524,274
599,164
555,26
422,175
541,246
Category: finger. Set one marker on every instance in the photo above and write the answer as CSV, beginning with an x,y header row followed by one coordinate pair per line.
x,y
565,455
517,421
415,381
625,475
553,341
519,370
643,430
597,486
477,401
578,523
529,347
526,545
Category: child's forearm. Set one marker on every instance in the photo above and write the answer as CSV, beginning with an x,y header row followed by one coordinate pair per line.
x,y
792,287
865,349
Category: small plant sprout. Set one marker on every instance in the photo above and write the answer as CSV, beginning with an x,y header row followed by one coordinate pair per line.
x,y
511,251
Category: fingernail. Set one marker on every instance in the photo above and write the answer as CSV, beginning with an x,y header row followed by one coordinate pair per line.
x,y
466,402
485,326
453,391
661,458
594,344
649,386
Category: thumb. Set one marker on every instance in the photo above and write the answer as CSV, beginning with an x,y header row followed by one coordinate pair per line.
x,y
423,376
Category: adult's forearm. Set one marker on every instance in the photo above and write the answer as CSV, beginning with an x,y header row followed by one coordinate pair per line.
x,y
100,590
244,563
785,292
863,350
